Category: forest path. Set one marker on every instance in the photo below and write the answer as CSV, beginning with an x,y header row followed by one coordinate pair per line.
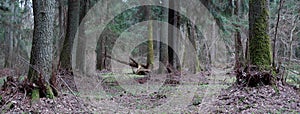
x,y
208,88
218,80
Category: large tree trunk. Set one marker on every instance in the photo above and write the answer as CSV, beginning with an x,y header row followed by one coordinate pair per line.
x,y
259,47
42,44
259,41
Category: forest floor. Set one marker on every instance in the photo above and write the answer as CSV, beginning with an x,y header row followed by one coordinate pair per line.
x,y
214,93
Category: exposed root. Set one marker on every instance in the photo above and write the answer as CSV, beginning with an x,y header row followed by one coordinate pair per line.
x,y
252,77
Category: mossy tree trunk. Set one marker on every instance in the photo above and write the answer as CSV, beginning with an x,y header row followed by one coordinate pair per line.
x,y
42,46
259,41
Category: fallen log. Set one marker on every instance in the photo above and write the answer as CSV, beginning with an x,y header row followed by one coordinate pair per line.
x,y
142,69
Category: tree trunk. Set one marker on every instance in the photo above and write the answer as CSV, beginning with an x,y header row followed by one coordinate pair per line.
x,y
65,60
163,55
81,42
42,44
239,55
290,47
101,53
73,21
275,36
259,41
192,35
150,54
171,37
102,45
259,66
10,41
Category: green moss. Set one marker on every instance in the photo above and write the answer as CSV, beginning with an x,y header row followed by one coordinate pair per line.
x,y
35,95
49,93
260,48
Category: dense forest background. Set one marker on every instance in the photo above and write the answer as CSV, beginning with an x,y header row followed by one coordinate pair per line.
x,y
45,44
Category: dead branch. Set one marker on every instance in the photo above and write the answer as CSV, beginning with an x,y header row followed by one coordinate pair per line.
x,y
141,68
133,63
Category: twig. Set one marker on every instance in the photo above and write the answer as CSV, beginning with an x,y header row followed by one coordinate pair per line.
x,y
28,63
71,91
67,85
132,64
276,29
25,94
3,106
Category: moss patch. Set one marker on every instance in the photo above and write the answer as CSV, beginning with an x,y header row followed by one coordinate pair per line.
x,y
260,48
35,95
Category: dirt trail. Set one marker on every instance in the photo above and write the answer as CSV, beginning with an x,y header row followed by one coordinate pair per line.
x,y
217,82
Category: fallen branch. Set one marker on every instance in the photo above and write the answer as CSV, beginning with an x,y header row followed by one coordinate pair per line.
x,y
133,63
141,68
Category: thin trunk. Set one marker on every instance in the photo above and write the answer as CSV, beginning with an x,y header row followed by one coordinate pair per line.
x,y
10,45
290,47
191,35
163,58
150,54
172,36
275,37
239,58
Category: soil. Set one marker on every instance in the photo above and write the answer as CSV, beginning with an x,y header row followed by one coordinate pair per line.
x,y
215,93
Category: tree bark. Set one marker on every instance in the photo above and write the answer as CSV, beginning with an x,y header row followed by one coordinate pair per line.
x,y
171,36
9,58
73,22
81,42
259,41
102,45
239,55
150,54
275,36
42,44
